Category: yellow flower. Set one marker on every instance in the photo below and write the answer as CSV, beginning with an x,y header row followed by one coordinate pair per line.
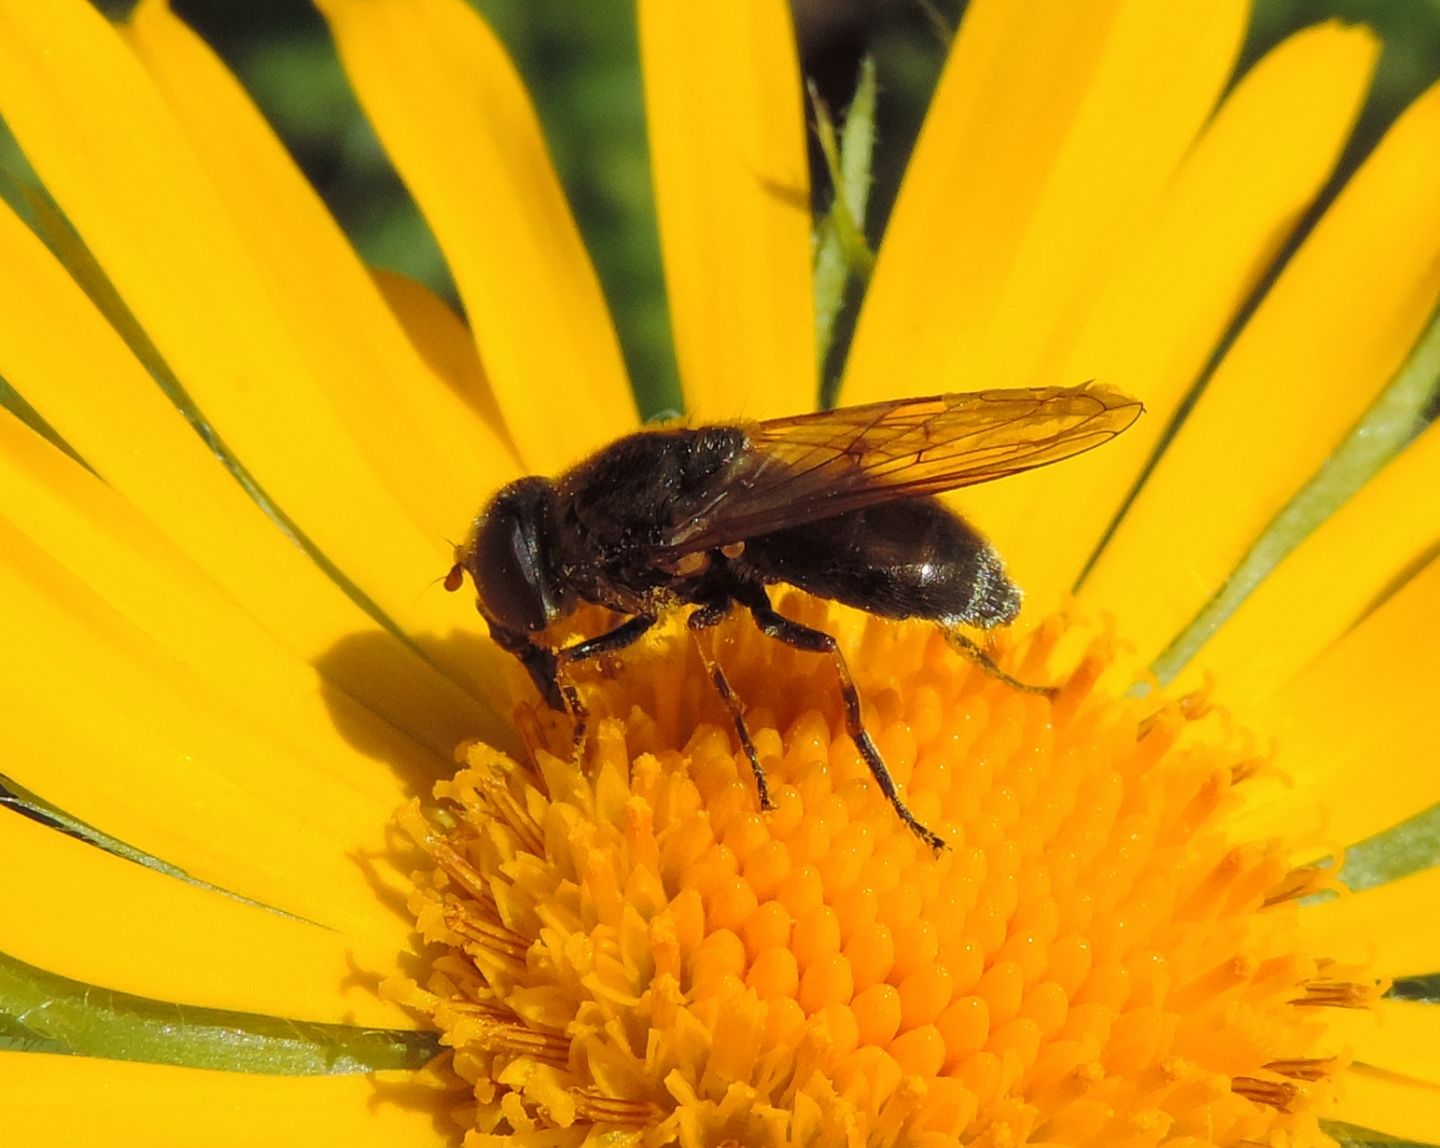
x,y
220,661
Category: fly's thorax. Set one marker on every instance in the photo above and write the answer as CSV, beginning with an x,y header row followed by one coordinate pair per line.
x,y
618,512
627,496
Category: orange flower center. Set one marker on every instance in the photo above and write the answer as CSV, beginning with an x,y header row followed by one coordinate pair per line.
x,y
632,945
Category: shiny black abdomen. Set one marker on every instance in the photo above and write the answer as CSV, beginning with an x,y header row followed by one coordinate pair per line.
x,y
906,559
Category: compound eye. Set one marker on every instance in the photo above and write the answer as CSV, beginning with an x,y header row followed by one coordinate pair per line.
x,y
507,558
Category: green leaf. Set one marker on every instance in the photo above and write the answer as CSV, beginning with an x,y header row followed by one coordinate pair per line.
x,y
1353,1136
16,798
14,402
1426,988
48,1013
1386,428
1396,852
16,1037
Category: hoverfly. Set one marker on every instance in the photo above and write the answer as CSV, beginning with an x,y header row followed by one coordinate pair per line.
x,y
839,503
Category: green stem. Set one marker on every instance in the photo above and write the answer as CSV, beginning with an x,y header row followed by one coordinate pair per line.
x,y
841,250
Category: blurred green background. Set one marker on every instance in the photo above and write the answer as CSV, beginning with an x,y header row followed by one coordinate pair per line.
x,y
580,61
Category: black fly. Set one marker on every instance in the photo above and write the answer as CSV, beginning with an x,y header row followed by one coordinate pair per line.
x,y
839,503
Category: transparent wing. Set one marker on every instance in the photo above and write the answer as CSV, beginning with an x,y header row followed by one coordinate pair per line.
x,y
818,465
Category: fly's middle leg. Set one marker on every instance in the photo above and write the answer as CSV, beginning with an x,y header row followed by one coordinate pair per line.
x,y
707,618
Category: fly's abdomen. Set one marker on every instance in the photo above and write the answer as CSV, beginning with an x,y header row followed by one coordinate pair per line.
x,y
905,559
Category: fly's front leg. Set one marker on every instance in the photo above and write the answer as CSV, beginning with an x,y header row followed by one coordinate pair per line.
x,y
539,663
625,634
981,657
802,637
579,715
706,618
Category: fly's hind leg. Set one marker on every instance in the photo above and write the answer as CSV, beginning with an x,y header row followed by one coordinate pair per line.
x,y
705,618
966,645
803,637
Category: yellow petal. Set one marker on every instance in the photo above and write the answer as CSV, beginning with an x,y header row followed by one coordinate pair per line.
x,y
1396,1036
1044,140
76,1100
1332,331
88,117
1391,928
386,395
441,338
94,534
1390,1104
136,930
58,351
1174,286
458,124
120,735
726,125
1328,582
1357,730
